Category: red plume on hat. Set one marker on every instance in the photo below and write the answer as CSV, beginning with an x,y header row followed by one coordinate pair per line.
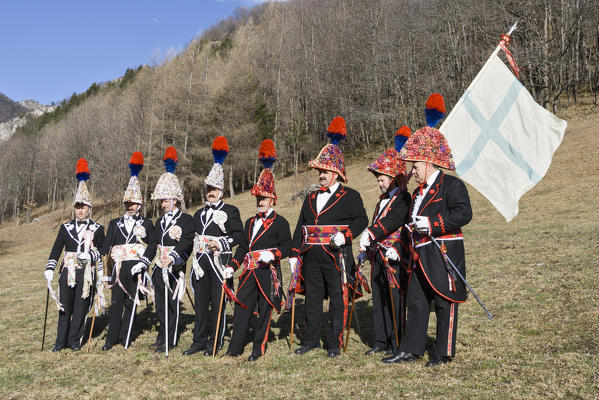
x,y
337,131
136,163
82,170
267,154
220,149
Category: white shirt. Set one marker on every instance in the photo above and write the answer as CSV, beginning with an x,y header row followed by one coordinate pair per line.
x,y
258,223
80,226
169,216
420,196
323,197
129,222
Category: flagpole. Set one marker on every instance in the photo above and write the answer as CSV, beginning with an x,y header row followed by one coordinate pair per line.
x,y
475,80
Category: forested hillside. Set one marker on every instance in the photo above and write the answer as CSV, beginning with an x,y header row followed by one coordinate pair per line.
x,y
284,70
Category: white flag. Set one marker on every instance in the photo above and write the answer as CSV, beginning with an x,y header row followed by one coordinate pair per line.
x,y
502,141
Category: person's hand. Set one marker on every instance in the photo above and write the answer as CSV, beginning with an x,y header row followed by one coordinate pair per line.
x,y
422,225
364,241
266,257
137,268
228,273
293,264
392,254
213,245
167,261
49,274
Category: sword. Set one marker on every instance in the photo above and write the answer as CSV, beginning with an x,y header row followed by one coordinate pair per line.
x,y
45,317
448,261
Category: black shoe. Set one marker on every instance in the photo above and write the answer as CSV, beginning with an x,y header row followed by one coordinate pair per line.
x,y
56,348
333,353
231,354
400,357
162,348
375,349
156,345
254,357
75,347
304,349
389,352
107,347
436,360
193,349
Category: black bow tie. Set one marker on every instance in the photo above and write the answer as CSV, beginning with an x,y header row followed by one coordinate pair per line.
x,y
211,206
81,223
327,190
261,215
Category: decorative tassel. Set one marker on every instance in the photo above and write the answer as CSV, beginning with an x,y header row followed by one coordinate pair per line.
x,y
434,109
401,136
337,130
136,163
220,149
82,170
170,159
267,153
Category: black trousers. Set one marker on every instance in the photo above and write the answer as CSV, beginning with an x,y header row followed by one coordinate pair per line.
x,y
384,332
118,324
419,297
322,277
207,294
71,321
173,307
249,293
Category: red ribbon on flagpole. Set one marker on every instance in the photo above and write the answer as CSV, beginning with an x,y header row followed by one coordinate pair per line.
x,y
504,43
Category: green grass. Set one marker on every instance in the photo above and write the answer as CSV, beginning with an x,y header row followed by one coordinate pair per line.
x,y
537,275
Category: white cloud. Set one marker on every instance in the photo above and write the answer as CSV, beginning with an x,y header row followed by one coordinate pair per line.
x,y
155,20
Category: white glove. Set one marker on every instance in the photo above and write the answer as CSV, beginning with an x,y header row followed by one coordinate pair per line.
x,y
364,240
49,274
137,268
293,264
266,257
339,239
165,276
422,224
84,257
181,286
228,273
392,254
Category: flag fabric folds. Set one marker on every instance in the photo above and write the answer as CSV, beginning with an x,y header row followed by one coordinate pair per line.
x,y
502,140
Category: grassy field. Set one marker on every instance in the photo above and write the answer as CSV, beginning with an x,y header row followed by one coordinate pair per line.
x,y
537,275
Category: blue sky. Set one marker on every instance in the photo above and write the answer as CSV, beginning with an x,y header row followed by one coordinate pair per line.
x,y
50,49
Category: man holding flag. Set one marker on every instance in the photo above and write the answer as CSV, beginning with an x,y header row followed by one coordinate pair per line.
x,y
440,207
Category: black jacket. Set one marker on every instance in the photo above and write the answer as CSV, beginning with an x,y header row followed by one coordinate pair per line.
x,y
68,240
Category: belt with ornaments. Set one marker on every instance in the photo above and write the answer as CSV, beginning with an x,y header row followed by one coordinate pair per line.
x,y
321,234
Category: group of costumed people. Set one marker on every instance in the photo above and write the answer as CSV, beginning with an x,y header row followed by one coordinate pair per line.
x,y
408,243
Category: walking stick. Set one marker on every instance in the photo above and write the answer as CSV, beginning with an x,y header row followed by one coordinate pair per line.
x,y
91,329
166,343
45,317
351,312
386,261
292,322
220,309
190,300
135,300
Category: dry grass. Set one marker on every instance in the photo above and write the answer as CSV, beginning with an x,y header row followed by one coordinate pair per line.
x,y
537,275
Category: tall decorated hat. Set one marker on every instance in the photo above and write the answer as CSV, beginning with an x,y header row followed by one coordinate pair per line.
x,y
216,177
168,186
389,163
82,173
267,155
133,191
330,157
428,144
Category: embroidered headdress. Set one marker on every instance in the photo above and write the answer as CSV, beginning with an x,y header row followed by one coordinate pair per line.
x,y
389,163
267,155
168,186
428,144
216,177
133,191
330,157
